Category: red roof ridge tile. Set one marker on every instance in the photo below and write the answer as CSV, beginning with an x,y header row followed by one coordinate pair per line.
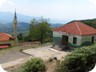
x,y
78,28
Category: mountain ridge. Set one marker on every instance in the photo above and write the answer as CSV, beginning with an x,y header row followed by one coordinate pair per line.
x,y
7,17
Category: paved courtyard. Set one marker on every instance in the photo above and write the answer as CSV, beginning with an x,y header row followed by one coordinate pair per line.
x,y
46,52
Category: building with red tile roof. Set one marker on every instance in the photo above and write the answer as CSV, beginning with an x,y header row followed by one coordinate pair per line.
x,y
74,33
6,40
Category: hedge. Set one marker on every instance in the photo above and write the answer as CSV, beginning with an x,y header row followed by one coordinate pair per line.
x,y
81,60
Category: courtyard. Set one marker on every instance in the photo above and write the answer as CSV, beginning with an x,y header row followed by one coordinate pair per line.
x,y
46,52
13,58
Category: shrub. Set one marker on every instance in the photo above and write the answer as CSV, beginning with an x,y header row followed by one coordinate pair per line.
x,y
34,65
86,43
81,60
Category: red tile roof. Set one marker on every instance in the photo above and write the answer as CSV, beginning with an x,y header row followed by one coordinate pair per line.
x,y
77,28
5,37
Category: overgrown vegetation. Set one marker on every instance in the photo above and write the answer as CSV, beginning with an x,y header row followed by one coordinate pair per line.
x,y
81,60
34,65
40,30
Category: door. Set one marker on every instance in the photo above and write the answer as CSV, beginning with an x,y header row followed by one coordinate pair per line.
x,y
64,40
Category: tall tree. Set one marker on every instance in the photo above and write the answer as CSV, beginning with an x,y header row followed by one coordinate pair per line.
x,y
33,29
39,30
44,29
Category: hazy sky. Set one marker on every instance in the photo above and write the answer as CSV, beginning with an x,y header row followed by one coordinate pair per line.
x,y
53,9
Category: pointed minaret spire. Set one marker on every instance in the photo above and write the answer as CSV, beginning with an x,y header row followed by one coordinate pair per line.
x,y
15,29
15,17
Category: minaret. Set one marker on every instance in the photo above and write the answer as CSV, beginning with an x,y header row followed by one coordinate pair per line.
x,y
15,29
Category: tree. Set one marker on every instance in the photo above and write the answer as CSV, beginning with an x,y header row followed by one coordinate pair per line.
x,y
44,29
39,30
20,37
33,30
34,65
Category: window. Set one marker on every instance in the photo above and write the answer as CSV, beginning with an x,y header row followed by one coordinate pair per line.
x,y
74,40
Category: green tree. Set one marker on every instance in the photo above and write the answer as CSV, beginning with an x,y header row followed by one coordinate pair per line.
x,y
20,37
40,30
33,30
44,30
34,65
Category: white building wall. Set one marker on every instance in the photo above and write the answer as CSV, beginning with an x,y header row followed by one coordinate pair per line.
x,y
57,38
78,39
88,38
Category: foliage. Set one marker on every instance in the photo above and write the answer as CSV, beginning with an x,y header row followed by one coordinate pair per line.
x,y
81,60
20,37
27,38
44,29
39,30
34,65
33,31
86,43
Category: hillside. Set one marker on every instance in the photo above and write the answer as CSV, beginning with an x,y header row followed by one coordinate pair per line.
x,y
90,22
7,17
6,22
21,27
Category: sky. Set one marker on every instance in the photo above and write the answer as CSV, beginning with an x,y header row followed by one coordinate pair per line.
x,y
53,9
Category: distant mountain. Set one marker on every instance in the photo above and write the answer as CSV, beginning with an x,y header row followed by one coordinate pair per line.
x,y
6,22
7,17
56,25
21,27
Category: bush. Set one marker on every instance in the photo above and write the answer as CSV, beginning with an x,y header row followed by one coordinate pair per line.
x,y
34,65
81,60
86,43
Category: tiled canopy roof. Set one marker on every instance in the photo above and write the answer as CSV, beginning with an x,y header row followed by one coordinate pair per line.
x,y
5,37
77,28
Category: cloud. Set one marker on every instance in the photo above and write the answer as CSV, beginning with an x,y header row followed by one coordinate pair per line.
x,y
10,2
2,2
93,1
